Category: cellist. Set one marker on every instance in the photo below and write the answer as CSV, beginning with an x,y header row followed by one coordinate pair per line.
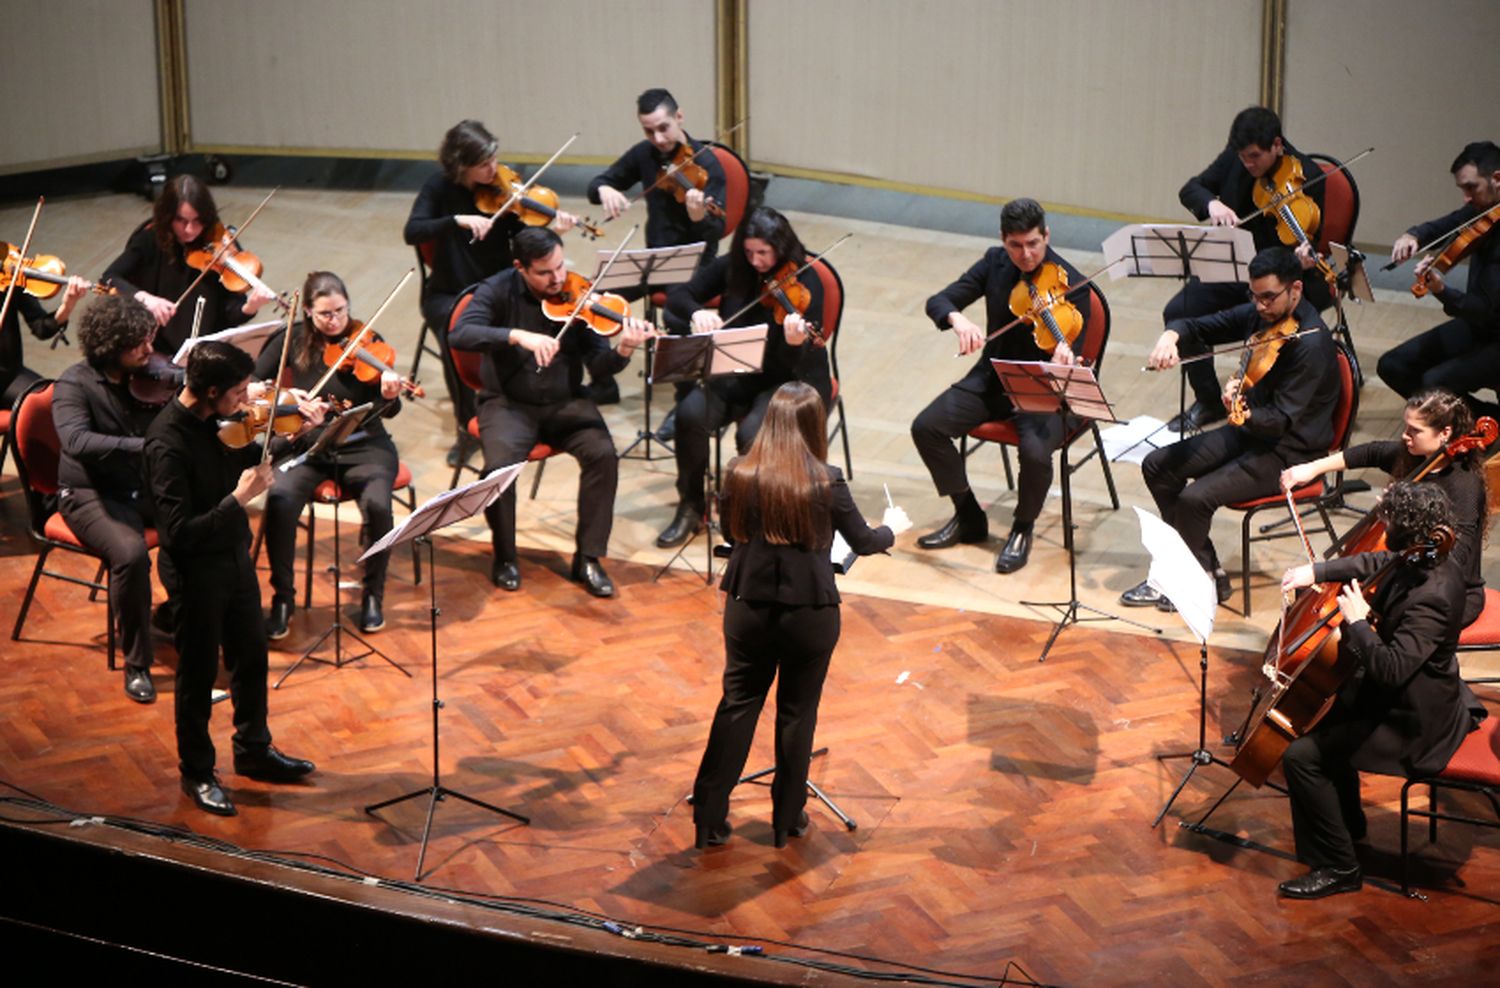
x,y
1404,711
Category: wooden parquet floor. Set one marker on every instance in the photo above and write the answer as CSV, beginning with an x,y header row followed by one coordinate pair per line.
x,y
1003,805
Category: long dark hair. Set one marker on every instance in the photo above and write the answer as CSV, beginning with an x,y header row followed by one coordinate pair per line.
x,y
179,190
765,224
319,284
781,485
466,144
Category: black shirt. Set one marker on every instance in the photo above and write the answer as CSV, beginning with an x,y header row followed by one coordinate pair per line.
x,y
143,267
43,326
456,263
193,476
102,430
503,303
667,220
1478,303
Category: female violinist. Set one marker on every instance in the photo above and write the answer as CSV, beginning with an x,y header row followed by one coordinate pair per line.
x,y
367,462
1432,420
15,376
154,269
764,244
1404,711
467,246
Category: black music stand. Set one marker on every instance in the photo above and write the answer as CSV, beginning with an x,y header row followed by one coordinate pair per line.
x,y
446,508
337,433
700,358
1068,391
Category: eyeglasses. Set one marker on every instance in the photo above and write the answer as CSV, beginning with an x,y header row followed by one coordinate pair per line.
x,y
329,315
1266,298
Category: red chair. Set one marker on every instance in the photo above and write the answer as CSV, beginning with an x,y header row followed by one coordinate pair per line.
x,y
1003,431
5,416
1484,634
1340,204
1474,767
829,321
425,252
38,450
1316,494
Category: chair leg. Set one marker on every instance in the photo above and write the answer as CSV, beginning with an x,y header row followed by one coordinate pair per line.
x,y
416,556
312,538
416,359
1405,851
36,576
1109,477
536,481
98,582
466,446
1245,560
109,621
1432,808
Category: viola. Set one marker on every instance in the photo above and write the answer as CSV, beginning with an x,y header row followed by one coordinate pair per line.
x,y
1041,301
371,359
1298,218
154,384
605,313
787,294
1256,360
1460,247
40,276
535,205
248,423
684,174
238,270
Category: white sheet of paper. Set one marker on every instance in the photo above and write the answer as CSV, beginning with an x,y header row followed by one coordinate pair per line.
x,y
1130,441
430,515
248,338
1176,574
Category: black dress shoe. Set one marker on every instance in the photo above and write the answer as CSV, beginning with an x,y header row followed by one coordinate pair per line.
x,y
278,622
1322,882
778,837
957,530
272,766
712,836
371,617
138,685
1141,595
605,391
587,571
685,524
1197,415
505,574
667,431
207,796
1017,550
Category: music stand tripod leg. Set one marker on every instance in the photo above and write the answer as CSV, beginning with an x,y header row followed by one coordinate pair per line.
x,y
813,789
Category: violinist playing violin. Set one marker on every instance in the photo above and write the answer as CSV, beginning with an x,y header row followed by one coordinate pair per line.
x,y
15,376
533,392
367,461
765,248
1220,195
1404,711
979,396
1284,417
468,245
1462,354
154,267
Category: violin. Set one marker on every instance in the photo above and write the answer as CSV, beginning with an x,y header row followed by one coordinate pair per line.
x,y
1256,361
1041,301
369,360
154,384
248,423
1298,218
604,313
238,270
535,206
683,175
40,276
1460,247
787,294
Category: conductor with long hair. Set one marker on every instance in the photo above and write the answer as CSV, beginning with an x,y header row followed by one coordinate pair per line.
x,y
782,502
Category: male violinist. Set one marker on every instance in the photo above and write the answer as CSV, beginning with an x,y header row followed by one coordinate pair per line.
x,y
979,397
533,392
1463,354
1287,413
669,223
1220,195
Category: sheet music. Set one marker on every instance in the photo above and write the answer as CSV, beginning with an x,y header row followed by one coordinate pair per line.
x,y
248,338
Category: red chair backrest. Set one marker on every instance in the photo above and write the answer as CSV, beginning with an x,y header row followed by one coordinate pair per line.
x,y
1347,408
38,448
833,300
1097,334
736,188
1340,204
426,251
466,362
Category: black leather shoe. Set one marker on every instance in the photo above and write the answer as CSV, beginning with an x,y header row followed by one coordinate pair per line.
x,y
1322,882
138,685
605,391
588,572
778,837
1017,550
714,836
272,766
685,524
1198,415
278,623
371,617
1165,606
209,797
1141,595
954,532
455,454
667,431
505,574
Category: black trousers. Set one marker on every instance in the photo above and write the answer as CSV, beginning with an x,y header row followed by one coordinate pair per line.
x,y
1324,792
953,413
436,309
508,431
700,413
25,378
220,612
115,529
1451,356
369,482
1200,298
1193,478
765,642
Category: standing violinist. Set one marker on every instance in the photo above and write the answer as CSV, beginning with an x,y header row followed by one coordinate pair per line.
x,y
367,461
979,397
15,376
1220,195
154,270
1432,420
533,392
1462,354
1404,711
1287,415
467,245
764,247
101,430
669,222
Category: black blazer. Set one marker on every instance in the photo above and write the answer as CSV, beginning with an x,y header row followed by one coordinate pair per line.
x,y
789,574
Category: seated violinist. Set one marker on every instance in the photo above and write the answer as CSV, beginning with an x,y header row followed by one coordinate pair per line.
x,y
15,376
367,461
1284,417
764,246
979,397
154,269
533,392
1405,710
469,245
1434,422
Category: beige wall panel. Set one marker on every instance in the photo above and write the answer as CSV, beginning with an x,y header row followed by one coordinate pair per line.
x,y
86,76
1375,72
392,75
1109,106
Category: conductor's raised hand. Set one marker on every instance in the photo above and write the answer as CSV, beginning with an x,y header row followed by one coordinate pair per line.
x,y
895,519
